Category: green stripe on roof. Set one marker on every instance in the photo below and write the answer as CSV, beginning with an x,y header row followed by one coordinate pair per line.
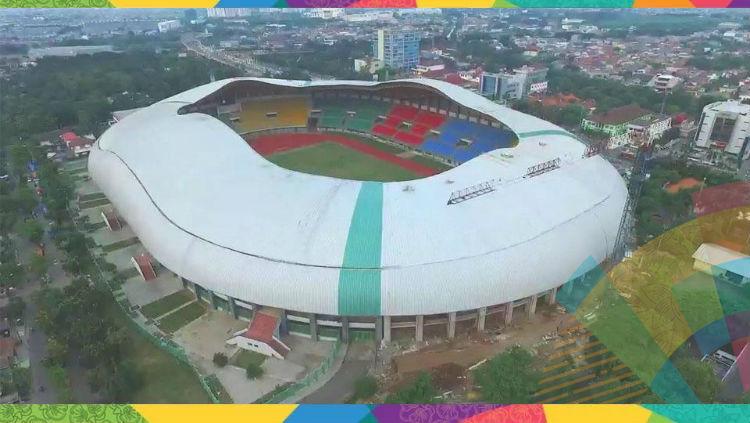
x,y
546,132
359,280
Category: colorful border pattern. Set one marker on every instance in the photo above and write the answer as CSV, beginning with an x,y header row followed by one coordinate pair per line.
x,y
468,413
379,3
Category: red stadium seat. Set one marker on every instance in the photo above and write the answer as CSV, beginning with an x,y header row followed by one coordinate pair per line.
x,y
409,138
384,130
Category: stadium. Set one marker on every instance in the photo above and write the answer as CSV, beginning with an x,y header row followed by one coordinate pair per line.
x,y
351,208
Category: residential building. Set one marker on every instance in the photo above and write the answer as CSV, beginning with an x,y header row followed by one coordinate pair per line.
x,y
722,262
513,86
367,64
228,12
77,145
628,125
429,66
397,49
325,13
725,125
369,16
167,26
664,83
535,79
502,86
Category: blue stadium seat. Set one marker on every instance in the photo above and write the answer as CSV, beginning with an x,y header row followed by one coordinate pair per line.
x,y
484,138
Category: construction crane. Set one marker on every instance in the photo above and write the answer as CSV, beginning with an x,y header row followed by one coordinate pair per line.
x,y
626,240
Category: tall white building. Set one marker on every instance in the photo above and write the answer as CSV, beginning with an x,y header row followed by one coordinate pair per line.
x,y
325,13
227,12
397,49
725,125
664,83
166,26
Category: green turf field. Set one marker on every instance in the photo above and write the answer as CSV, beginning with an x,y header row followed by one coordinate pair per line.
x,y
331,159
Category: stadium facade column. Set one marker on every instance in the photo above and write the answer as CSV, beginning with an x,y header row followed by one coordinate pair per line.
x,y
212,299
508,313
481,317
283,327
188,284
387,328
232,307
451,325
313,326
344,328
420,328
531,306
552,298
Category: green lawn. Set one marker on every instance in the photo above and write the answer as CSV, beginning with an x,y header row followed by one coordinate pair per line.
x,y
426,161
165,379
244,358
128,273
388,148
93,203
119,245
91,227
166,304
221,392
78,170
331,159
182,317
92,196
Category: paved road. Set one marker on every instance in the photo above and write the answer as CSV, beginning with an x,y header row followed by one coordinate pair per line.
x,y
35,343
341,386
36,347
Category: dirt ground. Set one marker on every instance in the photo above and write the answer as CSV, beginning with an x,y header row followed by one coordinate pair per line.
x,y
447,362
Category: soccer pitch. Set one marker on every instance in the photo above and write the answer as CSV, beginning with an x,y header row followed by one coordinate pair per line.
x,y
333,159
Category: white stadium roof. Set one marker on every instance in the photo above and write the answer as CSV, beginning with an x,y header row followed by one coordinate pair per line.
x,y
214,211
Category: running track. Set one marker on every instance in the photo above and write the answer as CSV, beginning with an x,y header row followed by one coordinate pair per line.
x,y
266,145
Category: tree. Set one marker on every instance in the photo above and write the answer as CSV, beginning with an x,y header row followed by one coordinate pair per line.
x,y
700,377
365,387
253,371
220,359
421,391
571,115
15,308
38,265
22,380
508,378
11,274
119,381
57,351
25,200
32,230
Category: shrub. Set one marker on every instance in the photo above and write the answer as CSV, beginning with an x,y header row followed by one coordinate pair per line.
x,y
508,378
365,387
420,391
220,359
253,371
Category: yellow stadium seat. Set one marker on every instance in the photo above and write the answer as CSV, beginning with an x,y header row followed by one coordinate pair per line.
x,y
269,113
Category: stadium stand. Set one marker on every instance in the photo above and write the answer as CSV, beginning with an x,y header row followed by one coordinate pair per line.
x,y
355,115
273,113
408,124
453,139
461,141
